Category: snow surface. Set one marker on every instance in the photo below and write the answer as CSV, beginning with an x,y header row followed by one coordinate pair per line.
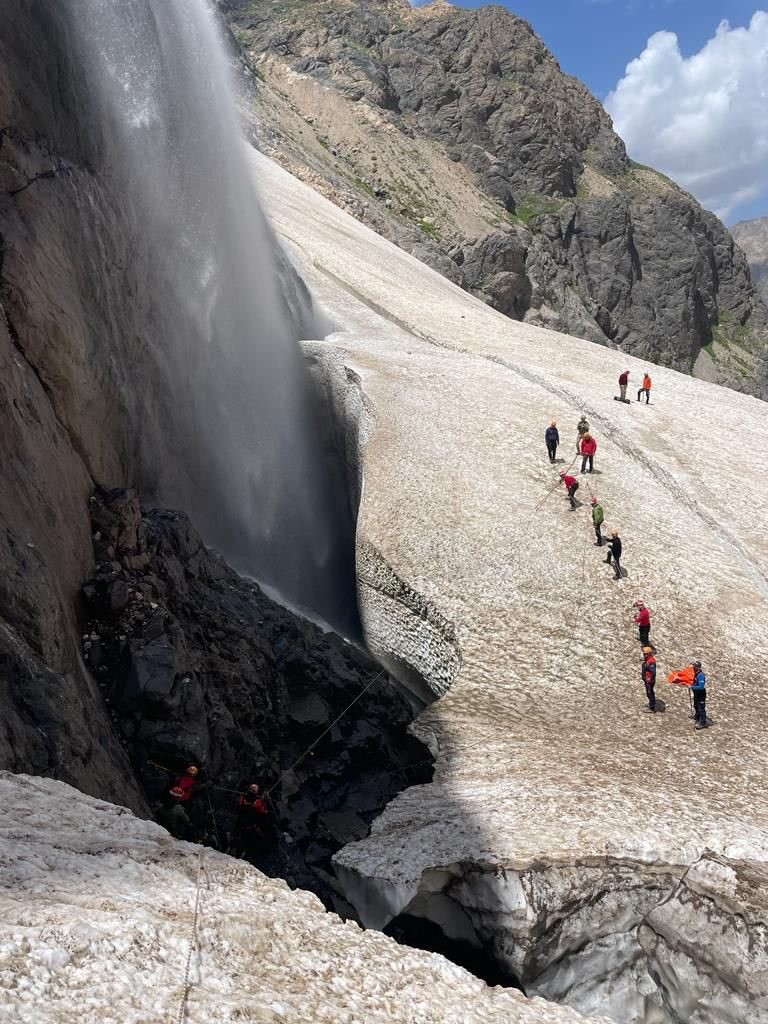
x,y
97,910
546,755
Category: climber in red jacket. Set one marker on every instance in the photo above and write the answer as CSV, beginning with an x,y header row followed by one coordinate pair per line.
x,y
623,382
184,787
571,485
643,622
649,677
588,449
254,828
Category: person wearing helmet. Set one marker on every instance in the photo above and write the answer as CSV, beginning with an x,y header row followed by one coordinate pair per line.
x,y
571,485
646,388
253,831
588,449
552,440
648,673
699,691
186,784
598,516
623,382
614,553
643,622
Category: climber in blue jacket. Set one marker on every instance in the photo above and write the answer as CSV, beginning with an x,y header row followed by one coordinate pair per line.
x,y
699,691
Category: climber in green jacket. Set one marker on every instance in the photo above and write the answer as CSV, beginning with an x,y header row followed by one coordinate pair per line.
x,y
597,521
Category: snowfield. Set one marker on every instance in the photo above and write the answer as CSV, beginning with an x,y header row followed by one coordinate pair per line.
x,y
97,911
561,815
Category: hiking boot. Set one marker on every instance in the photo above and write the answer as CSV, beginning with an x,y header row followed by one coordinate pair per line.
x,y
607,561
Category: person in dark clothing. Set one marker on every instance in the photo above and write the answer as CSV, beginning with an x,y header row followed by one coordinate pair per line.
x,y
552,440
598,517
643,622
623,382
699,691
254,829
571,485
649,677
588,449
614,553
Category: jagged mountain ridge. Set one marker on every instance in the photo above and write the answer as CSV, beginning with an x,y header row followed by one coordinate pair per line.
x,y
456,134
752,237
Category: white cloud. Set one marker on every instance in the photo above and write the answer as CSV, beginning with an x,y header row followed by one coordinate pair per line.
x,y
703,120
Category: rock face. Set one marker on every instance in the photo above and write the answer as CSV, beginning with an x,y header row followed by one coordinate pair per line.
x,y
562,821
455,134
83,323
197,664
752,237
98,911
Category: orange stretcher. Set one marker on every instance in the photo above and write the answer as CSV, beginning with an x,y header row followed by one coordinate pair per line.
x,y
683,677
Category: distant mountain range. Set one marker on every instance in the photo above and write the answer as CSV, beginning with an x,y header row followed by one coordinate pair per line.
x,y
752,236
455,134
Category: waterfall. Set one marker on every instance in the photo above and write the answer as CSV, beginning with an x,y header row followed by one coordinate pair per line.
x,y
227,427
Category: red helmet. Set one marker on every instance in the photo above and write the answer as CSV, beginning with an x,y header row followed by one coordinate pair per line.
x,y
594,501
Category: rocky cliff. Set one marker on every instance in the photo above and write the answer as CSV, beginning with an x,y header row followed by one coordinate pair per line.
x,y
752,237
455,134
83,329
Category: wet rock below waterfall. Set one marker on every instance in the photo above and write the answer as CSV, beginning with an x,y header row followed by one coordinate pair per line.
x,y
198,665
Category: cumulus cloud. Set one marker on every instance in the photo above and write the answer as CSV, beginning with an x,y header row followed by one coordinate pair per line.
x,y
703,119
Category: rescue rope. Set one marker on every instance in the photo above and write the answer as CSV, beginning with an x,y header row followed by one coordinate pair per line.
x,y
182,1011
213,816
325,732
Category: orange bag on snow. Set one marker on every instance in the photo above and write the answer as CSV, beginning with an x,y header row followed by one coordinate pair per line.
x,y
683,677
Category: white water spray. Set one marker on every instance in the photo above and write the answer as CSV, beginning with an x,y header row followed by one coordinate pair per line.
x,y
228,428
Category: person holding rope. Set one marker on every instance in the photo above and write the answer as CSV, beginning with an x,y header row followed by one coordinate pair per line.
x,y
254,833
598,518
571,485
184,787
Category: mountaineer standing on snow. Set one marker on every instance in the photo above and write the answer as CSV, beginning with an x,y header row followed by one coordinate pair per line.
x,y
699,691
552,440
646,388
598,516
588,449
643,622
571,485
614,553
623,382
648,672
582,428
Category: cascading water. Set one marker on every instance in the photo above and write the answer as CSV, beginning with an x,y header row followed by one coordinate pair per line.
x,y
229,427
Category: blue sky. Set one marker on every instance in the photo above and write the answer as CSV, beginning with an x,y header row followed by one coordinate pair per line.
x,y
595,40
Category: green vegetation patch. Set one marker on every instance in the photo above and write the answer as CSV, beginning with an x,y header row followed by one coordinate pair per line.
x,y
728,332
534,206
